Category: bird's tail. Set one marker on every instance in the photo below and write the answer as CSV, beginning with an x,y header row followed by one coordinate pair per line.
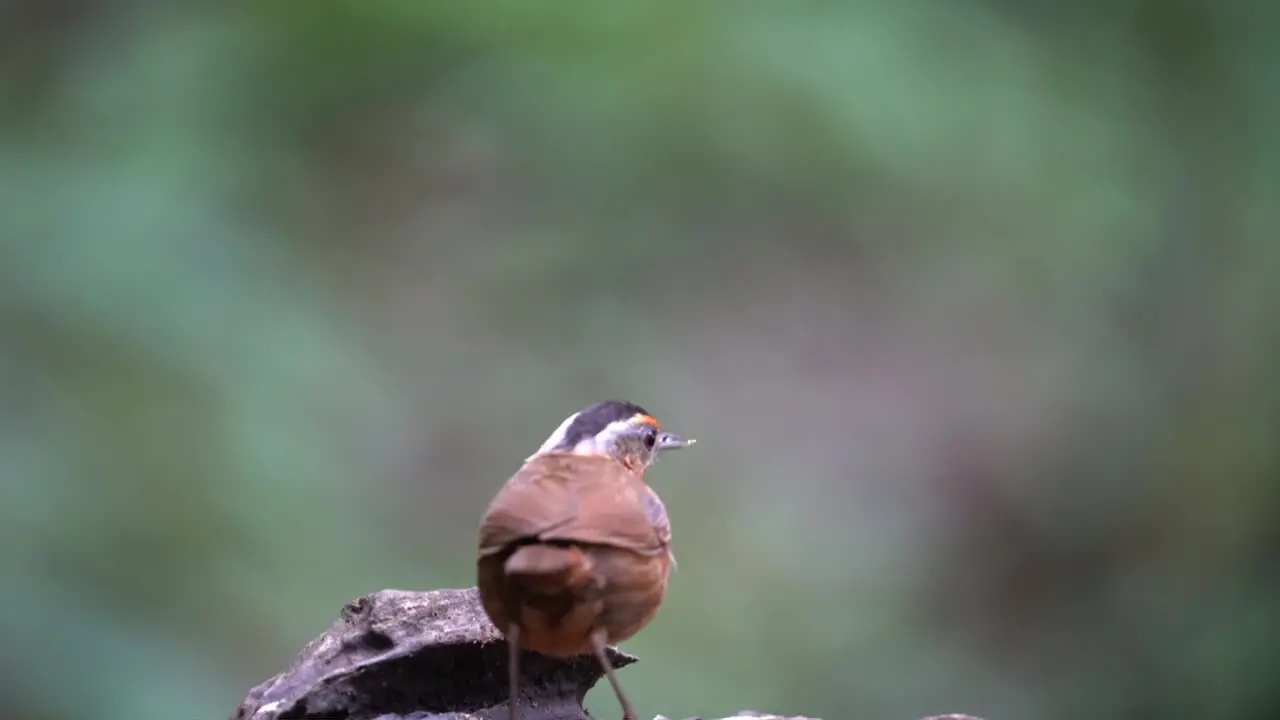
x,y
551,566
556,598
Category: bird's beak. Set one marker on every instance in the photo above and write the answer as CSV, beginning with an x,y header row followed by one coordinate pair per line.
x,y
671,441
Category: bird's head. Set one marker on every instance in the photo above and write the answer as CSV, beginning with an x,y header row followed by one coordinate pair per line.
x,y
617,429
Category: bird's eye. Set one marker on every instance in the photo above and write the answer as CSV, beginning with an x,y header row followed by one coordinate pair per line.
x,y
650,439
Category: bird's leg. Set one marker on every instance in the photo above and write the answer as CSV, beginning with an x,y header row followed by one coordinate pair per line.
x,y
598,641
513,671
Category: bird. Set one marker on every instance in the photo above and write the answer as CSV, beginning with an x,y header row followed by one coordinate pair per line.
x,y
575,548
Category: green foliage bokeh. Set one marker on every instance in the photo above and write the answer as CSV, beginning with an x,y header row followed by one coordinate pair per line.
x,y
970,304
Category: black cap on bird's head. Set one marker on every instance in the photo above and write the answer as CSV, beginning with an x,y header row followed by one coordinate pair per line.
x,y
589,421
616,428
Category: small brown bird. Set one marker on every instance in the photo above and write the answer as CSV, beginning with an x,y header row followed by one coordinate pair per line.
x,y
575,549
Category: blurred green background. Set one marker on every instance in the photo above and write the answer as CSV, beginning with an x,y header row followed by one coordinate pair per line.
x,y
970,303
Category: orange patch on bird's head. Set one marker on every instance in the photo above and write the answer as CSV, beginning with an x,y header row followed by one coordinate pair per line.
x,y
641,419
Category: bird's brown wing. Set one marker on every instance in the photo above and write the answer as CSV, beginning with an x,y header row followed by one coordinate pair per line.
x,y
656,512
576,498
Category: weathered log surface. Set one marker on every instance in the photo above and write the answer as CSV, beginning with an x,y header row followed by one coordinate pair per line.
x,y
434,655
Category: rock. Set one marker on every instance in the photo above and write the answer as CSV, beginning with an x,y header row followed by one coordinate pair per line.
x,y
753,715
401,655
434,655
